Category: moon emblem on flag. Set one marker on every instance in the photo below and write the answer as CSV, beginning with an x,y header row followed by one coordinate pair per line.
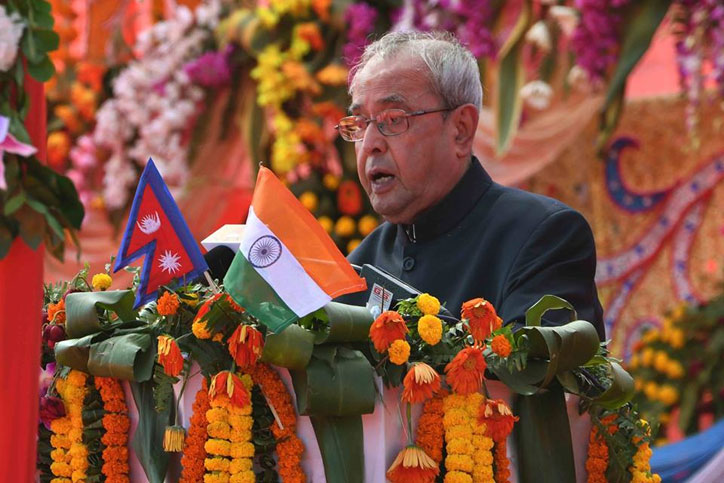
x,y
265,251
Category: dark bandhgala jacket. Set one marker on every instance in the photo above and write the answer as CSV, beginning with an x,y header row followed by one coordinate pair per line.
x,y
485,240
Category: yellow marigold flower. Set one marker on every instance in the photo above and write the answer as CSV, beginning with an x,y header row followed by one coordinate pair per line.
x,y
330,181
677,338
459,462
218,447
200,330
76,378
59,144
459,446
483,442
430,329
60,425
242,450
240,435
167,304
482,458
674,369
661,360
78,475
353,243
243,477
428,304
214,415
366,225
216,477
484,472
78,450
651,390
101,281
634,362
239,422
650,336
219,430
454,401
399,352
647,356
455,417
216,464
267,16
240,464
309,200
461,431
326,223
457,477
333,75
61,469
345,226
668,394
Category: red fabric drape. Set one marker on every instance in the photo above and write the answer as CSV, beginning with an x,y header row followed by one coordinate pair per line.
x,y
21,298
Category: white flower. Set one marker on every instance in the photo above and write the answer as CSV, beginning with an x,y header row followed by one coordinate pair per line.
x,y
578,78
539,36
566,17
537,94
11,30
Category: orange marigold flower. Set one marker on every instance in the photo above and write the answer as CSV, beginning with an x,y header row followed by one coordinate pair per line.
x,y
56,312
420,383
481,317
309,31
501,345
399,352
168,304
169,355
465,372
413,465
387,328
246,345
498,419
227,384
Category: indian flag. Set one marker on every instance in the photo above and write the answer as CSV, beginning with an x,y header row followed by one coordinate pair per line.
x,y
287,266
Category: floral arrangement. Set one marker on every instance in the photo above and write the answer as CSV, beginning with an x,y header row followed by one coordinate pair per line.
x,y
244,415
37,204
678,370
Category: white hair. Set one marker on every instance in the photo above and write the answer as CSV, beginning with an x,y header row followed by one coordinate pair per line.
x,y
454,74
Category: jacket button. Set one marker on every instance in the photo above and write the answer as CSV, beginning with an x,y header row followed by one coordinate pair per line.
x,y
408,263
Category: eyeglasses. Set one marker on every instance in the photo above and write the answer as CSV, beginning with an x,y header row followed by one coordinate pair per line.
x,y
391,122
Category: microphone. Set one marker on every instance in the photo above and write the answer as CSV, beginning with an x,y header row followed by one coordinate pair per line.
x,y
219,260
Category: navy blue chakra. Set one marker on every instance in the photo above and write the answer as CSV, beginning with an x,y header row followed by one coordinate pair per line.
x,y
265,251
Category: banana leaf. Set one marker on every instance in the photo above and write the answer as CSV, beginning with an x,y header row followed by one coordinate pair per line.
x,y
129,357
341,442
291,348
621,390
74,353
535,312
347,323
148,439
81,309
337,382
543,435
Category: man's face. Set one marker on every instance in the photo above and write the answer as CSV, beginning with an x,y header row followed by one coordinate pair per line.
x,y
407,173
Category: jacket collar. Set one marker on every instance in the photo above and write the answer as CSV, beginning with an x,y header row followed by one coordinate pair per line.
x,y
451,210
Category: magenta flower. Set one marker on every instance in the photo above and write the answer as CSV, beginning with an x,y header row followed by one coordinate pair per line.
x,y
210,70
51,408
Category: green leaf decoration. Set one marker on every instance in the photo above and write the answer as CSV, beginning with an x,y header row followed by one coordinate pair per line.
x,y
81,310
621,390
148,439
645,17
535,313
292,348
341,442
543,435
525,381
75,352
347,323
163,394
337,382
129,357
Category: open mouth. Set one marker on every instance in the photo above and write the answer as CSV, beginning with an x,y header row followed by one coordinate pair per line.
x,y
381,180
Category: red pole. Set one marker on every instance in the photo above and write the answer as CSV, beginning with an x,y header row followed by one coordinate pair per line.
x,y
21,299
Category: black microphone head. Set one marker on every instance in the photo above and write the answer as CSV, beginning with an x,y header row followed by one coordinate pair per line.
x,y
219,260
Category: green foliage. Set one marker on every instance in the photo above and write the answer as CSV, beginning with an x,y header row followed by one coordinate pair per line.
x,y
262,438
163,395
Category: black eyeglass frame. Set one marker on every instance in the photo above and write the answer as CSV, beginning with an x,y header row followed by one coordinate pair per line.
x,y
380,124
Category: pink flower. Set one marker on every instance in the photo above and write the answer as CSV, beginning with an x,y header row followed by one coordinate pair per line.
x,y
11,145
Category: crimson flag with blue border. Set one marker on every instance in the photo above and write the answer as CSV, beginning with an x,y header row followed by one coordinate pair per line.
x,y
157,230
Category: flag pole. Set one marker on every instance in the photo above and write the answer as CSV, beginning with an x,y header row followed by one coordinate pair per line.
x,y
212,284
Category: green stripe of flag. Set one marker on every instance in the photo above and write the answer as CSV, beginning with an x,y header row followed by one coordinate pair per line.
x,y
252,292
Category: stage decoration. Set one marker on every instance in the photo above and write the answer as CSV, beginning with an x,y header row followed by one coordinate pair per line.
x,y
678,367
157,230
38,204
116,425
194,452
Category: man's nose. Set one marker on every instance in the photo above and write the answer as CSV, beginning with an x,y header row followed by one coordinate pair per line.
x,y
374,141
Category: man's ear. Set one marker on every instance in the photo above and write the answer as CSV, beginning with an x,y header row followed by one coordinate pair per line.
x,y
465,125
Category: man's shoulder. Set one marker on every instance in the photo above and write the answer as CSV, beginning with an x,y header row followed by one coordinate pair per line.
x,y
366,250
525,204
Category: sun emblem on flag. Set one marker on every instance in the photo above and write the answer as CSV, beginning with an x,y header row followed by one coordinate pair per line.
x,y
149,223
265,251
169,262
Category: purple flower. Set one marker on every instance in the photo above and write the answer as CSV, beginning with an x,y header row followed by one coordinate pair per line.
x,y
51,408
360,18
210,70
53,333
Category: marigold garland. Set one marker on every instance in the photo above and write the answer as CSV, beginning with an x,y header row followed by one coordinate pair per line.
x,y
430,431
116,424
289,447
70,455
498,420
597,461
458,425
194,454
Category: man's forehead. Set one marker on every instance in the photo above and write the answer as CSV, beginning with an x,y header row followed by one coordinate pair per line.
x,y
391,81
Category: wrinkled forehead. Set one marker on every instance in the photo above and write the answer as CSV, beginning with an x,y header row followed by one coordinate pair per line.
x,y
401,80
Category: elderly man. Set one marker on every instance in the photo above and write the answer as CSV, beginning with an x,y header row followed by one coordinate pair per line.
x,y
450,230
